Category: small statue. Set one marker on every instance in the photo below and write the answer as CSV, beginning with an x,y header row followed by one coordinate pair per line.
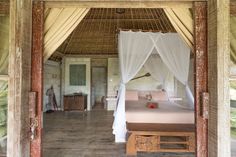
x,y
51,106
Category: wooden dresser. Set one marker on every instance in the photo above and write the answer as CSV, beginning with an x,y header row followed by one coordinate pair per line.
x,y
75,102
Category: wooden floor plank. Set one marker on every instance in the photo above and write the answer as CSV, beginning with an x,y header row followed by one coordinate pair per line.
x,y
74,134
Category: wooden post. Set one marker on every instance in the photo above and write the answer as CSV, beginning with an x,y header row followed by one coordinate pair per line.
x,y
218,73
200,32
37,73
19,78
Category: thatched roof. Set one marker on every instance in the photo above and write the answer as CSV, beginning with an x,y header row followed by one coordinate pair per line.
x,y
97,32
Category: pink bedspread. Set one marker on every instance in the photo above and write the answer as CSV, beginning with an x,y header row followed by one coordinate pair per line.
x,y
167,112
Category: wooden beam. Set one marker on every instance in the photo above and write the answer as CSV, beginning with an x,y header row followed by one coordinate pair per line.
x,y
37,73
4,77
4,7
19,78
59,54
123,4
93,55
200,31
119,4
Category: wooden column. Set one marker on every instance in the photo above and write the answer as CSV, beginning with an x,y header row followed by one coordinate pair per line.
x,y
37,73
218,72
200,30
19,78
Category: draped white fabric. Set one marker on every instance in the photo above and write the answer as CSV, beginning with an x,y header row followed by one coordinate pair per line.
x,y
158,70
134,49
176,56
182,21
59,23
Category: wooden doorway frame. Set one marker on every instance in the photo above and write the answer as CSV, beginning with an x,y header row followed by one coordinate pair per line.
x,y
200,27
38,66
200,14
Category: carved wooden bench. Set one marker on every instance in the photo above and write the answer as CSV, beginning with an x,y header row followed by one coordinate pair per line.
x,y
146,137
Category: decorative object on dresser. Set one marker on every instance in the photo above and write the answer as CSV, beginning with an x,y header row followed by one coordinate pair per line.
x,y
76,101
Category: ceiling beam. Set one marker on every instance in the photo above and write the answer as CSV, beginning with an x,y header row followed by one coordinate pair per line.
x,y
93,55
59,54
5,5
119,4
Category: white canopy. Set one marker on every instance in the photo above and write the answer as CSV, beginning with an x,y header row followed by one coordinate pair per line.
x,y
158,70
135,49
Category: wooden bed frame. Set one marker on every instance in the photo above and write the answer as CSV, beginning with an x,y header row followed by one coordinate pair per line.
x,y
148,137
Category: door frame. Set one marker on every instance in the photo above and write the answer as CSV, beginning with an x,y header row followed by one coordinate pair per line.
x,y
200,48
105,67
200,51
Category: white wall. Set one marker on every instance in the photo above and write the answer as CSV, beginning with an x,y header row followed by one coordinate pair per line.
x,y
142,84
68,89
113,76
52,74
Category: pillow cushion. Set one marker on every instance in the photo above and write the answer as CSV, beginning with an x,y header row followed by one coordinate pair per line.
x,y
159,96
131,95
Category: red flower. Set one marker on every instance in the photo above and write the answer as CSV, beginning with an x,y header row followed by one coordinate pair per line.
x,y
151,105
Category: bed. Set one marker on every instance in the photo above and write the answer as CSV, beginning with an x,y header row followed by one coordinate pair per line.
x,y
167,112
167,128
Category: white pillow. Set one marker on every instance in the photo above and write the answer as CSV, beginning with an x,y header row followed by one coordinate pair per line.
x,y
159,96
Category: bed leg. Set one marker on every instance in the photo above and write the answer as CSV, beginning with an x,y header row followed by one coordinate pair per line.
x,y
130,146
192,143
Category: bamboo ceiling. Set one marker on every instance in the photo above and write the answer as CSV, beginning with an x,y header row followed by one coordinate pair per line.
x,y
97,32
